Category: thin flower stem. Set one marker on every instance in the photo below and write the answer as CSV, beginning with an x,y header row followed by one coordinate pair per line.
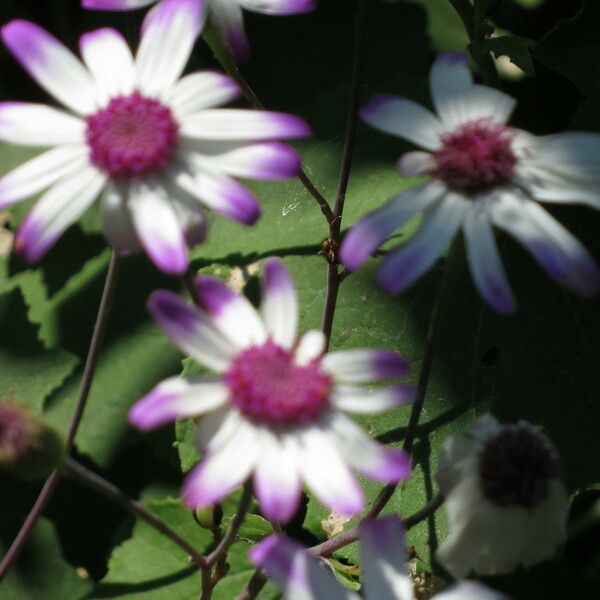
x,y
255,585
206,584
86,383
335,225
234,526
230,67
468,16
93,481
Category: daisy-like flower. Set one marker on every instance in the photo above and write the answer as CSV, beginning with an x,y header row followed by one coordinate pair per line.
x,y
505,498
276,410
385,574
151,144
483,173
227,16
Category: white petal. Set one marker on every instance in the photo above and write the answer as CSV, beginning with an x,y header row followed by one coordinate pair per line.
x,y
231,312
484,260
311,345
559,252
157,226
169,34
229,20
368,400
361,365
327,474
117,220
279,305
51,64
39,125
416,163
191,329
383,560
217,428
109,59
278,7
405,119
199,91
41,172
469,590
222,470
58,208
404,265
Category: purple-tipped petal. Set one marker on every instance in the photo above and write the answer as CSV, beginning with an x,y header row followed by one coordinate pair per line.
x,y
279,7
366,400
358,365
191,329
229,21
115,4
51,64
393,466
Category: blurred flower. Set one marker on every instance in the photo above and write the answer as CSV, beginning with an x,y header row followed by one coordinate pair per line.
x,y
277,408
385,574
151,143
227,16
482,173
506,502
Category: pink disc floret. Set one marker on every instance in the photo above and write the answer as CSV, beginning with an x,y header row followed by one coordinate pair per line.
x,y
476,156
268,387
133,135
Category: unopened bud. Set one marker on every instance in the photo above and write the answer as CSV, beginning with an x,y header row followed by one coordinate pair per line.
x,y
209,516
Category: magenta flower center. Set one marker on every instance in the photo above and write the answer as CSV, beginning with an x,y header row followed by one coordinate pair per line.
x,y
268,387
17,432
132,136
476,157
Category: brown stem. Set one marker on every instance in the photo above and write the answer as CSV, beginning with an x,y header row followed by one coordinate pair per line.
x,y
86,383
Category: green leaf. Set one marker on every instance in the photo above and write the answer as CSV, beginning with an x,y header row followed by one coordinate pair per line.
x,y
30,372
41,573
572,48
517,49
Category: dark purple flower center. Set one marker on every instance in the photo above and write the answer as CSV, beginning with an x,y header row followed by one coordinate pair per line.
x,y
132,136
516,467
268,387
17,432
476,157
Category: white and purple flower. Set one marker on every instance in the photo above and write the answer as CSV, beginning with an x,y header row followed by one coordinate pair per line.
x,y
151,144
227,16
383,561
483,173
506,501
276,408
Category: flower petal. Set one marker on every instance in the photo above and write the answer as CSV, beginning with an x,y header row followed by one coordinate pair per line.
x,y
484,261
115,4
239,124
38,125
469,590
326,472
370,401
169,33
404,265
231,312
191,330
107,56
559,252
270,161
277,484
58,208
372,230
229,20
116,219
221,193
223,469
376,461
404,118
311,345
279,7
157,226
383,560
416,163
298,574
177,398
358,365
279,306
51,64
198,91
41,172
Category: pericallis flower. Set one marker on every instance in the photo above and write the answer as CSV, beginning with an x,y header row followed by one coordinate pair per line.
x,y
151,144
227,16
277,408
385,574
505,498
483,173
